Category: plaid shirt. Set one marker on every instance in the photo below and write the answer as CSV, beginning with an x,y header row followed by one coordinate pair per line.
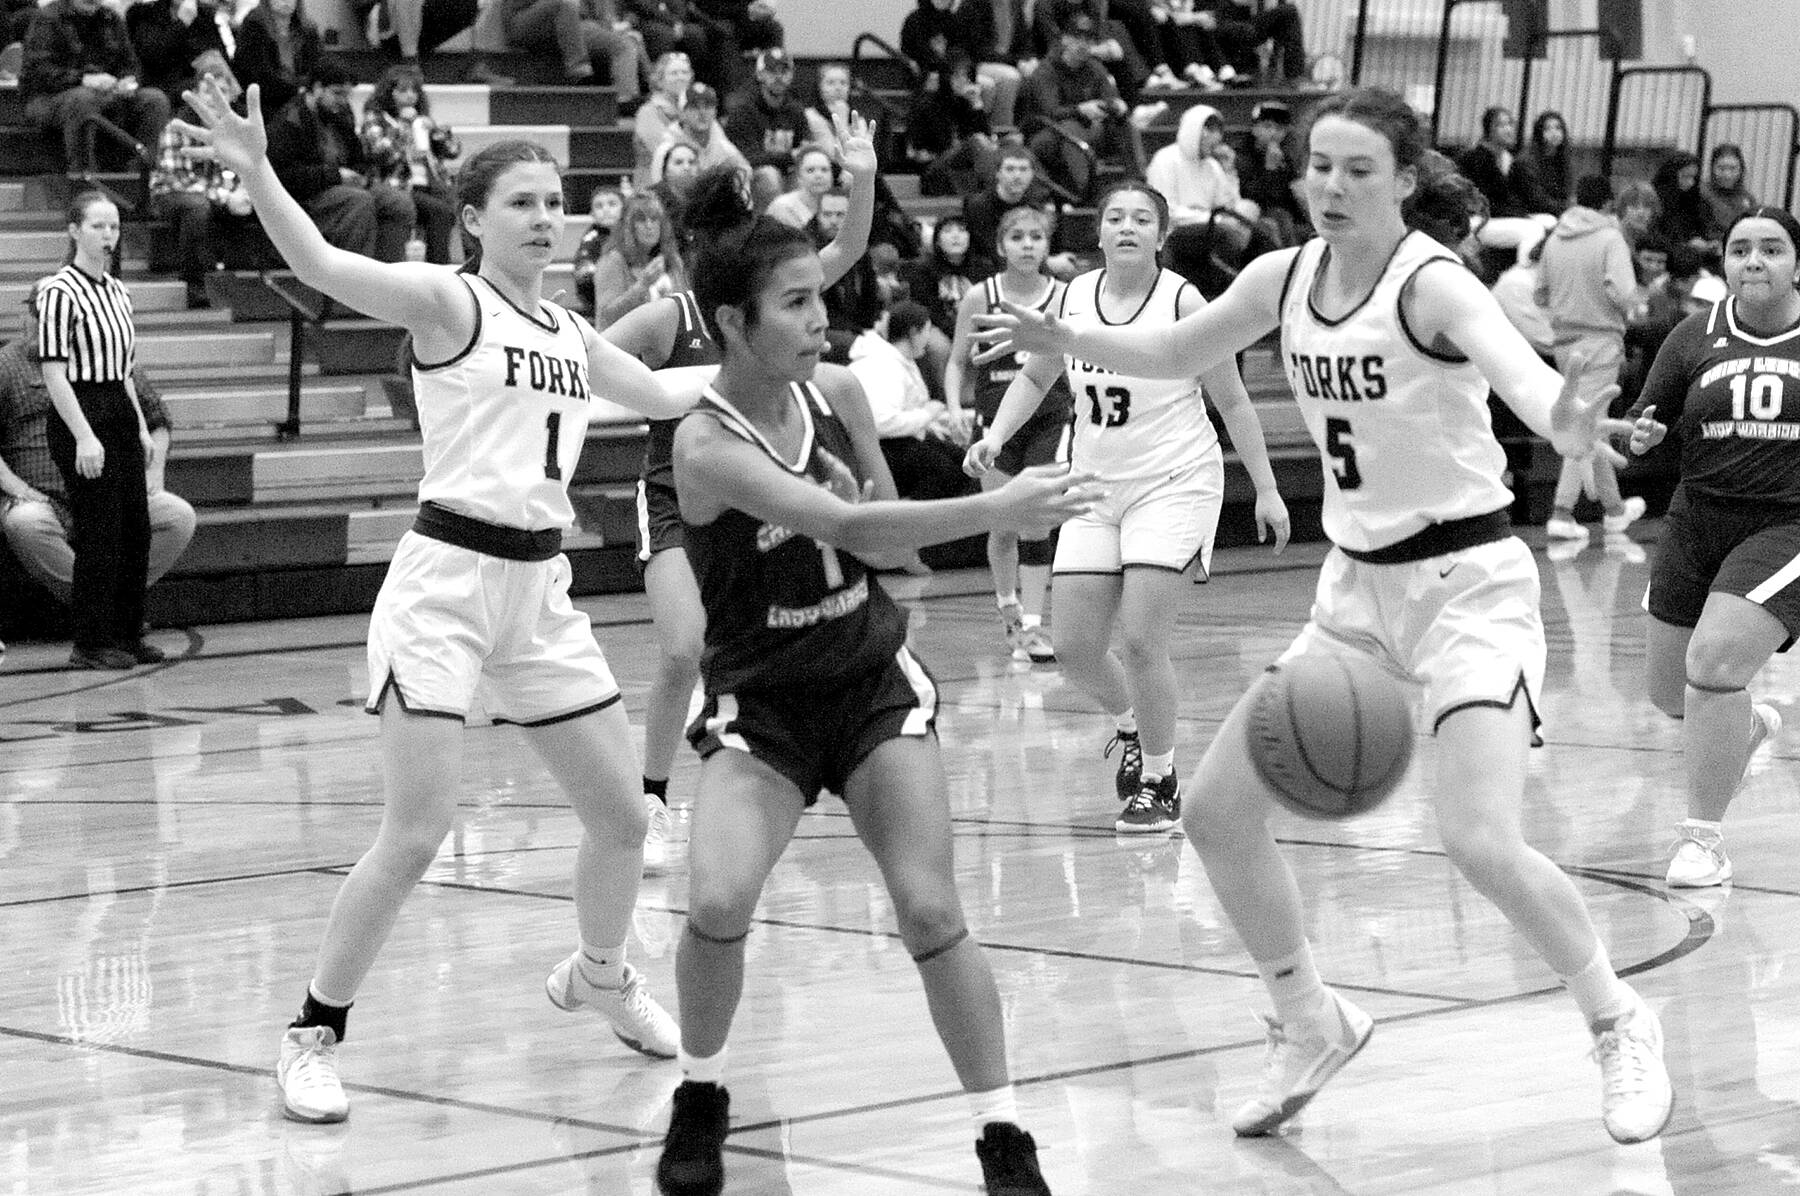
x,y
26,411
176,173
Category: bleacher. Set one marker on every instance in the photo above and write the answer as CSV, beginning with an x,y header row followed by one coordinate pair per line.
x,y
301,504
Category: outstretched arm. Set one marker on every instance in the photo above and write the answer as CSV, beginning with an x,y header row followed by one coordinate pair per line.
x,y
426,300
659,394
856,139
1236,320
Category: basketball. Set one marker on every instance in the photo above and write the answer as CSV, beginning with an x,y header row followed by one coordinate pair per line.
x,y
1331,734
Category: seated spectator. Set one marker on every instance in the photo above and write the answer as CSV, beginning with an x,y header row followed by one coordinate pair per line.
x,y
813,176
699,123
1004,45
1540,175
952,100
886,260
408,150
79,64
15,19
1107,41
670,77
1676,292
830,106
673,173
1724,192
1015,182
767,123
674,27
918,437
1685,218
606,206
168,36
740,31
1074,94
951,116
1488,164
942,275
1638,209
34,506
320,160
1190,44
1241,34
1209,218
582,33
205,202
1516,292
853,302
1269,174
278,49
641,261
410,29
1650,259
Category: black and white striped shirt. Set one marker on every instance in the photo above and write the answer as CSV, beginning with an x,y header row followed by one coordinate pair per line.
x,y
86,321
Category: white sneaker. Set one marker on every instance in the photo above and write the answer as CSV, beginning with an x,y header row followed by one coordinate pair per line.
x,y
1295,1069
1145,115
1030,644
1636,1097
307,1073
1699,860
1768,724
1634,511
660,846
637,1020
1561,527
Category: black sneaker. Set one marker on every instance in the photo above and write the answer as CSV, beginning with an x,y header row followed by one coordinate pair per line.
x,y
1009,1165
1131,763
101,658
693,1157
1155,807
144,652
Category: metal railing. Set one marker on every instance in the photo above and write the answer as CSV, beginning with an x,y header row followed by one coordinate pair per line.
x,y
306,308
1655,108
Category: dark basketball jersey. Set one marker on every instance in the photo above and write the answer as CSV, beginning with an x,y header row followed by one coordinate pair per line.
x,y
1734,400
692,347
993,377
782,609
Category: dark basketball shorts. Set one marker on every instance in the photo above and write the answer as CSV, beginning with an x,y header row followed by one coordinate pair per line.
x,y
1043,440
817,738
659,525
1708,546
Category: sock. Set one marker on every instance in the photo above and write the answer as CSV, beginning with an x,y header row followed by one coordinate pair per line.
x,y
603,967
696,1070
658,789
1158,764
1598,990
1562,513
1002,601
1033,620
996,1104
316,1011
1126,722
1294,985
1701,824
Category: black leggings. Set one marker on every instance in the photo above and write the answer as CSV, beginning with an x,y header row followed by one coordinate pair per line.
x,y
112,520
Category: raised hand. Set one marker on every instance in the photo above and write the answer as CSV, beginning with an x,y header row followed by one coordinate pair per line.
x,y
856,144
1016,329
1580,429
236,142
1043,498
1647,432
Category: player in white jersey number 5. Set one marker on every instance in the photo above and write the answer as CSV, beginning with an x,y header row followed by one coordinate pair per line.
x,y
1391,345
1127,562
476,600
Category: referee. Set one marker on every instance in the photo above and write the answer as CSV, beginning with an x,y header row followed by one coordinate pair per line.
x,y
100,441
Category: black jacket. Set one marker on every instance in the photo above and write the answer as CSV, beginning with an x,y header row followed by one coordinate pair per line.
x,y
63,45
167,47
259,61
302,153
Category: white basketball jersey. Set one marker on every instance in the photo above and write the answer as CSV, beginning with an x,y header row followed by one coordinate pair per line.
x,y
1403,432
1128,427
504,420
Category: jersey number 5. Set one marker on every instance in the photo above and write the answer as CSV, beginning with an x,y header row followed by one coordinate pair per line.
x,y
1113,411
1340,446
553,438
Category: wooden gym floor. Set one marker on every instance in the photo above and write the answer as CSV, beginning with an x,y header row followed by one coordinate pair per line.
x,y
170,840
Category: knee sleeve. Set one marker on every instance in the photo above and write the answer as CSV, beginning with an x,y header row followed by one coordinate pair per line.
x,y
943,948
716,940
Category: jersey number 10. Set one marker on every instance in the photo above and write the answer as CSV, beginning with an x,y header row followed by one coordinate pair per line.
x,y
1763,392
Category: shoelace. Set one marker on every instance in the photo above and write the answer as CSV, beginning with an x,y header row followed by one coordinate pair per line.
x,y
1274,1062
1131,752
1625,1070
312,1068
1710,844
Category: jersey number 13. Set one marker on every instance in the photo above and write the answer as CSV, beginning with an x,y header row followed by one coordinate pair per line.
x,y
1108,410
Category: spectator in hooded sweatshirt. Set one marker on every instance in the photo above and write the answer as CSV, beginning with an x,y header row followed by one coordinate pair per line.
x,y
1197,176
1588,285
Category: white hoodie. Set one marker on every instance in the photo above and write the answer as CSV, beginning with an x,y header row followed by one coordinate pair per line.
x,y
1192,184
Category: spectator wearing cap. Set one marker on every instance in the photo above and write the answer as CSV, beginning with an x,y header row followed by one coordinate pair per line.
x,y
278,49
34,504
1268,173
80,64
169,35
767,123
699,123
319,158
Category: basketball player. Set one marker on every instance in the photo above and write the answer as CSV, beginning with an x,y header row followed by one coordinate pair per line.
x,y
1391,346
1021,571
1722,595
1149,440
810,687
668,333
475,605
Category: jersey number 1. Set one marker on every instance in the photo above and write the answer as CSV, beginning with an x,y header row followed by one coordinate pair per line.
x,y
553,438
1340,446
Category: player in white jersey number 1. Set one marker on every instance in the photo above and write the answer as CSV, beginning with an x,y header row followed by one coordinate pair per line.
x,y
476,600
1391,345
1127,562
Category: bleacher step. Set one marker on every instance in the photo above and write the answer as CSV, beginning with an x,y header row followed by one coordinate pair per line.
x,y
190,407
